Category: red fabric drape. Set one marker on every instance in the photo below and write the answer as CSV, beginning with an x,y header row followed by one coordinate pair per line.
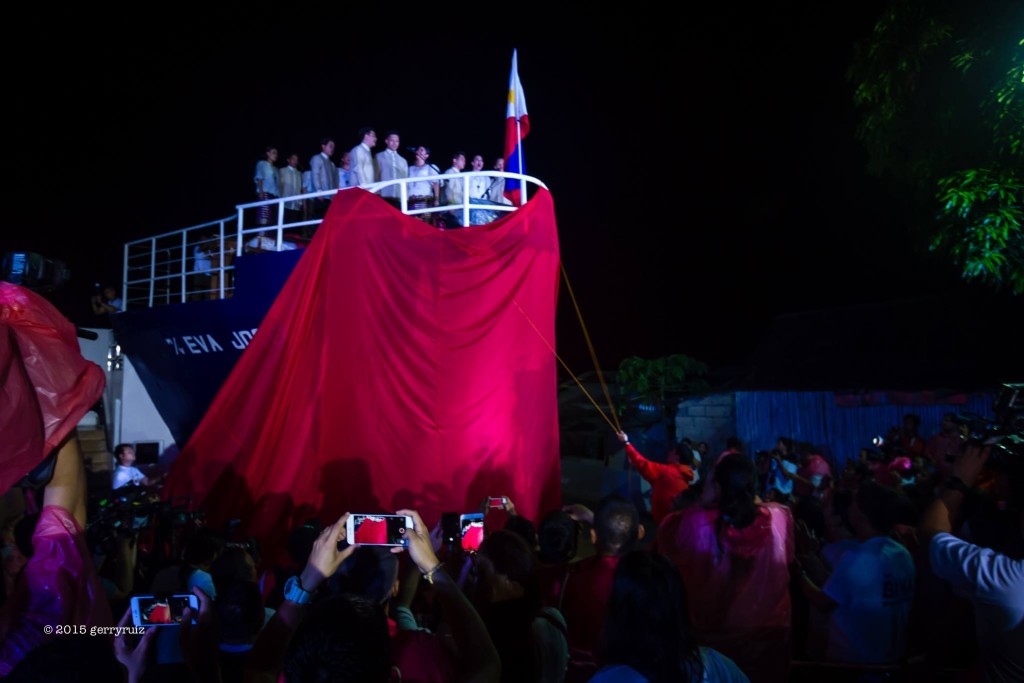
x,y
400,366
46,385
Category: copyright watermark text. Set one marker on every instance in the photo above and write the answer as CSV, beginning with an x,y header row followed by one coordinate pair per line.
x,y
82,630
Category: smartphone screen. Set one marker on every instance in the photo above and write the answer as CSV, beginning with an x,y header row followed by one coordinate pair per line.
x,y
380,529
160,610
472,531
496,503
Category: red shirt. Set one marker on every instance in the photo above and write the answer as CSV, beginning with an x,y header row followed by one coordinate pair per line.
x,y
667,480
585,601
814,470
420,656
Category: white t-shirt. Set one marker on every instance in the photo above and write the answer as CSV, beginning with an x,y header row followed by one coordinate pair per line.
x,y
127,475
781,482
873,584
994,584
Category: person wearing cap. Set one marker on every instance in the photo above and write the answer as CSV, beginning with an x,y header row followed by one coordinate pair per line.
x,y
391,166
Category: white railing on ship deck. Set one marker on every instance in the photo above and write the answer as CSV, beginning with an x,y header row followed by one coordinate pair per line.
x,y
161,269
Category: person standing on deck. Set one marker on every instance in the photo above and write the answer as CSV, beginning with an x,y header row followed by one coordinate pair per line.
x,y
267,185
392,166
479,185
325,177
423,194
364,171
453,188
291,185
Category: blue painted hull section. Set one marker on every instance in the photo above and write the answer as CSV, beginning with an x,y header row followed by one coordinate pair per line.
x,y
184,352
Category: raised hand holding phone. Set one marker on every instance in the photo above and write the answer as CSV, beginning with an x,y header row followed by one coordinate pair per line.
x,y
421,552
132,657
326,556
199,638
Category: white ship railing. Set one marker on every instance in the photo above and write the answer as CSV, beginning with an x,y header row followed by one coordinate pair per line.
x,y
161,269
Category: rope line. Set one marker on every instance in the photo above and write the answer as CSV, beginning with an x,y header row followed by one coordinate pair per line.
x,y
567,369
590,346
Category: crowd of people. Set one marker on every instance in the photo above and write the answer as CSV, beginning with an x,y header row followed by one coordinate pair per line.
x,y
756,568
360,166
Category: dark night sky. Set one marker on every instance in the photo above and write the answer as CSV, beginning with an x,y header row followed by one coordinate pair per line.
x,y
704,168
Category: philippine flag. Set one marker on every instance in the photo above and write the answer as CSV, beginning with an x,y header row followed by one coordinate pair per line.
x,y
517,125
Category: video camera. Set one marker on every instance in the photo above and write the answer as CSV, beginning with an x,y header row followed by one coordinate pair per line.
x,y
130,510
1005,433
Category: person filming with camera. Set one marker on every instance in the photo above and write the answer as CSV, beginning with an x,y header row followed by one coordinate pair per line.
x,y
991,579
126,474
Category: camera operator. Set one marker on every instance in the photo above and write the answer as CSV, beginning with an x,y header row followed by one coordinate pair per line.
x,y
105,300
127,474
992,581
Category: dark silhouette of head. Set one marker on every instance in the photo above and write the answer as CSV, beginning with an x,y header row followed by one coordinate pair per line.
x,y
240,610
343,639
233,564
648,620
736,479
505,553
878,505
616,526
370,572
522,526
558,537
201,549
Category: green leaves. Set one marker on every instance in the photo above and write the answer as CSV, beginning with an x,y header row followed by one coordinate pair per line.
x,y
940,85
650,379
981,224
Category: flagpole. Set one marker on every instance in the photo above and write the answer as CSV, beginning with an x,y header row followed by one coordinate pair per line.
x,y
519,153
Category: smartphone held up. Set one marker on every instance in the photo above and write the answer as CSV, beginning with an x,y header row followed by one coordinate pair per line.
x,y
161,610
389,530
471,531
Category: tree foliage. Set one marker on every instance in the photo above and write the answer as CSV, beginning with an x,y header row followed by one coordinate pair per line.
x,y
649,379
940,86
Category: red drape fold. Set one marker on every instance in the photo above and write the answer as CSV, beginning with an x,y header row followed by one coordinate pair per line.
x,y
400,366
46,385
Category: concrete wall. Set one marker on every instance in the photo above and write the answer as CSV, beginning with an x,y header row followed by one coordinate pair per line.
x,y
710,418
